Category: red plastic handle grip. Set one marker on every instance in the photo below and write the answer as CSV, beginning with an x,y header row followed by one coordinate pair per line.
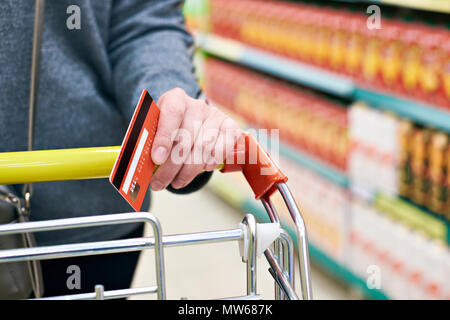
x,y
255,163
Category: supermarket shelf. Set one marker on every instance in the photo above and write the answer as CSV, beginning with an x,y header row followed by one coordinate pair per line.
x,y
399,209
320,79
311,162
406,212
276,65
428,5
414,216
228,193
417,112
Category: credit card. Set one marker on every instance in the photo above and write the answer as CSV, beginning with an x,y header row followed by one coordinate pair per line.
x,y
134,167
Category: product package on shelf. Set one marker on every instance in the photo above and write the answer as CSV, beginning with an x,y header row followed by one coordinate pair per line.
x,y
325,207
306,121
424,168
401,262
374,152
396,157
410,59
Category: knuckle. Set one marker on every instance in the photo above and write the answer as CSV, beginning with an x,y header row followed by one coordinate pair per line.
x,y
177,91
174,108
214,111
228,125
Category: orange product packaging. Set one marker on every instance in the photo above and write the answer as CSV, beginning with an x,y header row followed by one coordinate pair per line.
x,y
391,55
405,132
419,161
371,63
222,23
309,35
436,171
237,15
432,62
447,185
354,45
265,25
334,134
248,32
323,139
412,57
338,41
284,28
310,123
321,39
321,115
293,120
301,121
444,94
298,33
339,140
290,33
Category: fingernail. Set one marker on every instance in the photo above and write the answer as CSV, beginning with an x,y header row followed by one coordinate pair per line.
x,y
157,186
159,156
178,184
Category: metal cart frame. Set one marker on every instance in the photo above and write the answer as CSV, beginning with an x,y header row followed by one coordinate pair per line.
x,y
70,164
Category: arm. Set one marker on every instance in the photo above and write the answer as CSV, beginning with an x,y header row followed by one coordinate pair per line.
x,y
150,49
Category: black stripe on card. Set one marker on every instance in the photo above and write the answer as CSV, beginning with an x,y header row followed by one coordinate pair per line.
x,y
132,140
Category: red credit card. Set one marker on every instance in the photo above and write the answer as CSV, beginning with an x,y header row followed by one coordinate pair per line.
x,y
134,167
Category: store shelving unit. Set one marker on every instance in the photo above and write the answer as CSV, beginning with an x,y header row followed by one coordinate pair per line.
x,y
400,209
342,86
397,208
323,169
323,80
228,193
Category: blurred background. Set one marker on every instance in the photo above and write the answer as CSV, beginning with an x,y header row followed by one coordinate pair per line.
x,y
361,97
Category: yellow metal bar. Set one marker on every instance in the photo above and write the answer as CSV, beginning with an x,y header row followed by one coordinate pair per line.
x,y
57,165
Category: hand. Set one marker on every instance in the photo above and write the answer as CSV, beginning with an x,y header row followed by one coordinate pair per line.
x,y
192,136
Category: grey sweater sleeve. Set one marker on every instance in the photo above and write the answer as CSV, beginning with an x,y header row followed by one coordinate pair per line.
x,y
149,48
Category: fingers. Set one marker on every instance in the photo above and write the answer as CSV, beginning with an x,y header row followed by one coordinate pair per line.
x,y
217,138
202,148
182,140
172,107
191,137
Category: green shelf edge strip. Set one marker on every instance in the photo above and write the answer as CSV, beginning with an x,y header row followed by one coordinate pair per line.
x,y
314,164
417,112
252,206
320,79
276,65
413,216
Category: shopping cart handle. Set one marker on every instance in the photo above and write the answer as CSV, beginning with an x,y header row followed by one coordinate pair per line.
x,y
258,168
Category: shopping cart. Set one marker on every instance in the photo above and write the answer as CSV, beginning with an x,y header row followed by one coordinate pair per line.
x,y
254,238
